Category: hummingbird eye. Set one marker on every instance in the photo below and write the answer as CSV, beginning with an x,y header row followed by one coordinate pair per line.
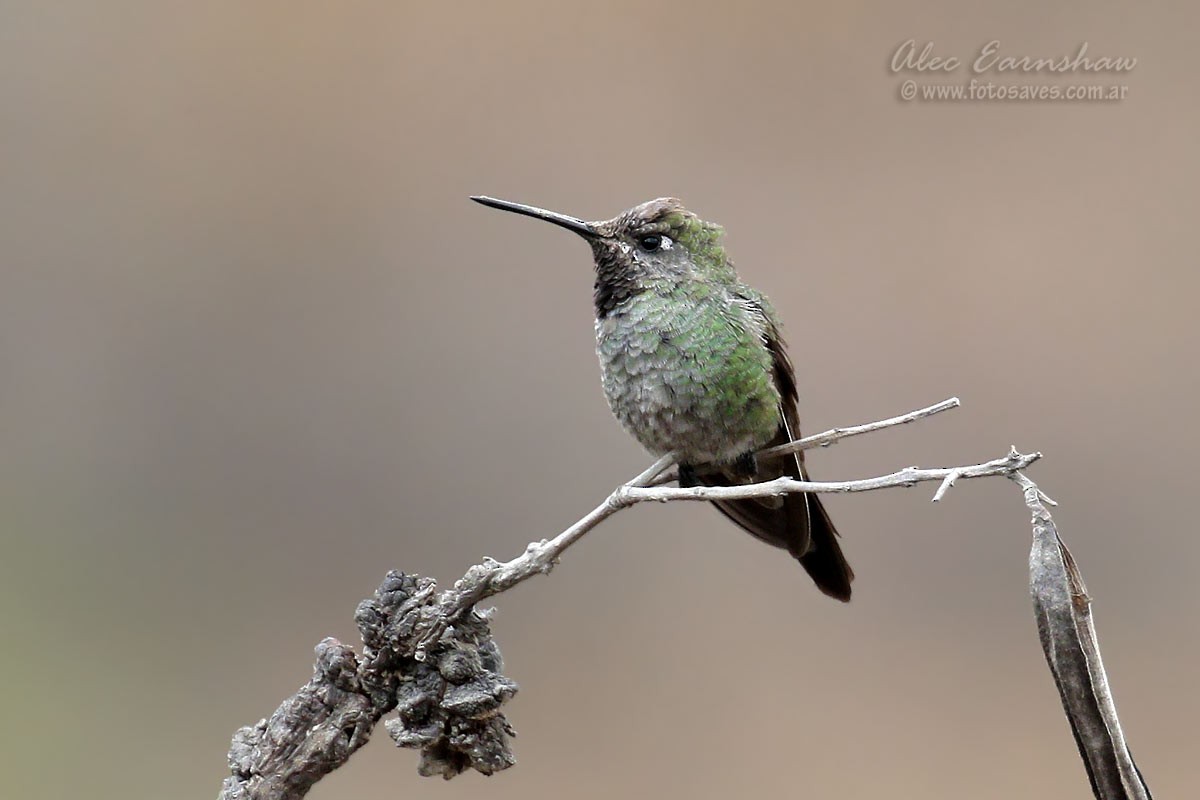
x,y
653,241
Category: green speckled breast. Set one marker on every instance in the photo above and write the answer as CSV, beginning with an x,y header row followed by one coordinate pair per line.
x,y
691,374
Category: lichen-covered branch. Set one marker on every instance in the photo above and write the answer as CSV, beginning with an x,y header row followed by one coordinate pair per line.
x,y
447,705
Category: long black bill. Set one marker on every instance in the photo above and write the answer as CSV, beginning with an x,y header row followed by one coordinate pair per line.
x,y
562,220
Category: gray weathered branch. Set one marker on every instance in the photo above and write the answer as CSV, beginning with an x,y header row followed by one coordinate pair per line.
x,y
430,656
493,577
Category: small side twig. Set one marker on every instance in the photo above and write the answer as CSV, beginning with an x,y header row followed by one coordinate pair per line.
x,y
661,473
837,434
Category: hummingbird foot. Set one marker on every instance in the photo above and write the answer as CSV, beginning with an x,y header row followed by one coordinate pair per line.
x,y
688,476
746,465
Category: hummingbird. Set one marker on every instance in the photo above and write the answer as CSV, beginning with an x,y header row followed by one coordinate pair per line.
x,y
693,362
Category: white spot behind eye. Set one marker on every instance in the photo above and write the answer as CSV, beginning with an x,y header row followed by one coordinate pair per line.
x,y
666,243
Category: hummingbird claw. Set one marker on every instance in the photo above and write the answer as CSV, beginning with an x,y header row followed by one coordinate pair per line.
x,y
688,476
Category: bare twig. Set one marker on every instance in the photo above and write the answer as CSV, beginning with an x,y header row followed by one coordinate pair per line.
x,y
429,655
837,434
909,476
663,474
947,484
1068,633
493,577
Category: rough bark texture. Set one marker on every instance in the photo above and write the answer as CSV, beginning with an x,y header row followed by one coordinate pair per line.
x,y
447,703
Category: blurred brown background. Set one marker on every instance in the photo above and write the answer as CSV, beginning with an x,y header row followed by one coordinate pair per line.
x,y
254,339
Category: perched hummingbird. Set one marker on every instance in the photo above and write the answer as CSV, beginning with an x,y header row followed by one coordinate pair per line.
x,y
693,362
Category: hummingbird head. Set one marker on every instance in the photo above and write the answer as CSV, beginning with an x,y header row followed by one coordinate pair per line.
x,y
658,243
